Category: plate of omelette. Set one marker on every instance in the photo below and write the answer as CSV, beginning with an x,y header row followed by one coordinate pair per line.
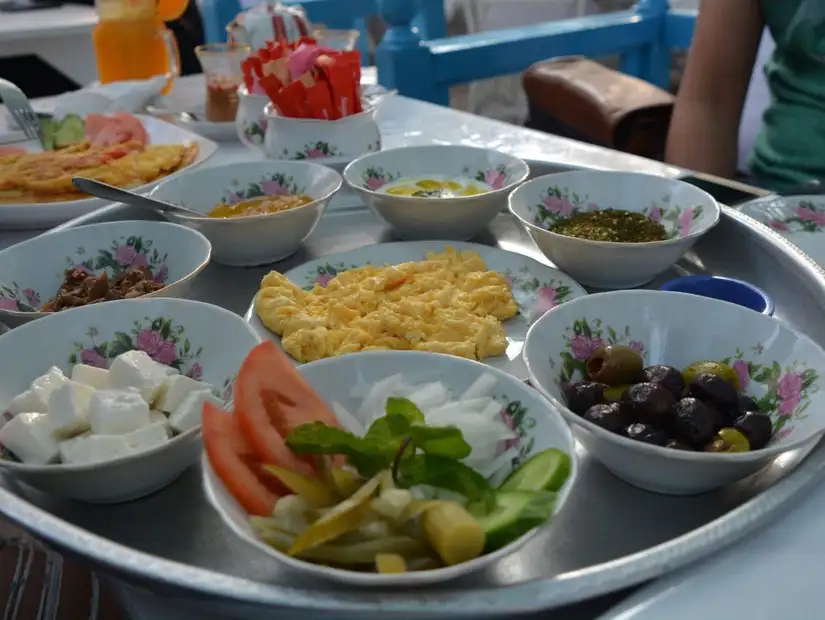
x,y
463,299
130,151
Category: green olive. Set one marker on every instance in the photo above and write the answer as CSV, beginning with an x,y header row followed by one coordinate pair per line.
x,y
614,365
729,440
613,394
721,370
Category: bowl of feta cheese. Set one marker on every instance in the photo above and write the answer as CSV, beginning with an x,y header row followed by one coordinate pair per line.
x,y
103,404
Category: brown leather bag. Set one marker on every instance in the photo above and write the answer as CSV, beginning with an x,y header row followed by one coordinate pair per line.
x,y
582,99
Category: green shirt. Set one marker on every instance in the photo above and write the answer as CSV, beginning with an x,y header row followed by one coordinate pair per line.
x,y
790,147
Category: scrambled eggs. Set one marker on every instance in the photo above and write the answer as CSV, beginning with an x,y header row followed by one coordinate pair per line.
x,y
448,303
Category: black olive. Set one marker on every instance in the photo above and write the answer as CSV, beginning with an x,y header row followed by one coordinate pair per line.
x,y
745,404
713,389
722,418
582,395
609,417
666,376
647,434
650,403
614,365
675,444
756,427
695,423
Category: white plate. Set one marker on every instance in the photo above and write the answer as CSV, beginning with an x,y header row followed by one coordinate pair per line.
x,y
46,215
800,219
536,287
183,117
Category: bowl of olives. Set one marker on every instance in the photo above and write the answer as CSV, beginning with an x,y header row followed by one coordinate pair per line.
x,y
677,393
613,230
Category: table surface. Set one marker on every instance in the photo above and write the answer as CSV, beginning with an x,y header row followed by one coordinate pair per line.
x,y
755,579
67,20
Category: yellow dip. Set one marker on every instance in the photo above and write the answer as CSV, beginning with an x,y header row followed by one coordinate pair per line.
x,y
435,188
260,206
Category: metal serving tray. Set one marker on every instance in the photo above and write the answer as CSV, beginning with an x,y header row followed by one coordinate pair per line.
x,y
610,537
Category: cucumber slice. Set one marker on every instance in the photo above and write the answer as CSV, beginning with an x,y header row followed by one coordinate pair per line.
x,y
545,471
71,130
49,128
515,514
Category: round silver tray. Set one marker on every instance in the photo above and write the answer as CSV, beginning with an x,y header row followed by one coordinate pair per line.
x,y
610,536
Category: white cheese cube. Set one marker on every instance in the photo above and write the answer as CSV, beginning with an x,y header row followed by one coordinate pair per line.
x,y
45,384
69,447
26,402
190,412
94,449
158,417
69,408
136,369
175,389
30,437
98,378
147,437
115,412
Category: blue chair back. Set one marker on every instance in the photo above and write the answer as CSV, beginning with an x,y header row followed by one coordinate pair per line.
x,y
425,70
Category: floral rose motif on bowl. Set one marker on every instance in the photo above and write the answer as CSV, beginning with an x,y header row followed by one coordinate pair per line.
x,y
254,131
276,184
804,217
559,204
782,392
118,256
494,178
375,178
315,150
164,342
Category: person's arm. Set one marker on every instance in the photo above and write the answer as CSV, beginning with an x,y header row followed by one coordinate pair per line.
x,y
705,126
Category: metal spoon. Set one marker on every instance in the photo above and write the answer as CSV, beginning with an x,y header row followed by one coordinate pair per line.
x,y
115,194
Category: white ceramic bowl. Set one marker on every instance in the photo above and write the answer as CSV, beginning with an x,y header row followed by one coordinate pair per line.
x,y
685,211
778,366
254,239
533,417
209,343
414,217
31,272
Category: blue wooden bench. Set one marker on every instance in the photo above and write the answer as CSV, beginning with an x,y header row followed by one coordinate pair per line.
x,y
428,17
644,37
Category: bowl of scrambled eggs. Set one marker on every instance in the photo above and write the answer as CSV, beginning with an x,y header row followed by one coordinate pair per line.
x,y
436,192
254,213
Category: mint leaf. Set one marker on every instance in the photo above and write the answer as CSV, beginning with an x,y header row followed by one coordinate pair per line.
x,y
367,455
444,441
444,473
392,428
404,407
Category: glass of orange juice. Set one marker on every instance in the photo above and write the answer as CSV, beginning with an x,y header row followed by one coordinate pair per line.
x,y
221,64
131,41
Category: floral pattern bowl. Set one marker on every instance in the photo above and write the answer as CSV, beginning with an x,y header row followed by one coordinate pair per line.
x,y
254,239
31,272
413,217
685,211
777,366
200,340
537,422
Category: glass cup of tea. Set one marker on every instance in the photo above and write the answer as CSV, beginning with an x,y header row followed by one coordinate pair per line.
x,y
221,64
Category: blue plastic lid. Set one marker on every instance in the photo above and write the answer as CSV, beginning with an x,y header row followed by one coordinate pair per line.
x,y
725,289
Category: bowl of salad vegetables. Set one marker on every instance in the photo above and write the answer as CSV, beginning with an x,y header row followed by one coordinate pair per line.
x,y
385,467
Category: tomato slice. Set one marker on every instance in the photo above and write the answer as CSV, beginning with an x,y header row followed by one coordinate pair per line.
x,y
235,463
271,400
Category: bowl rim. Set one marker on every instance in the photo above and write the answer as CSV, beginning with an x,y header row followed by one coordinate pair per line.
x,y
513,208
157,294
14,467
260,216
432,576
699,277
650,449
426,199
